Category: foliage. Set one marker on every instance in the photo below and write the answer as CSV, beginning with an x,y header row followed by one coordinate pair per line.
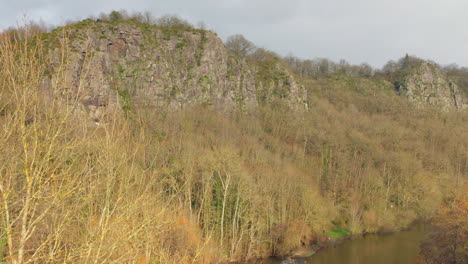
x,y
125,101
201,48
172,21
115,16
448,242
198,185
239,46
459,75
339,232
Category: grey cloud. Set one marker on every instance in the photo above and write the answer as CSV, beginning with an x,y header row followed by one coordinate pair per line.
x,y
373,31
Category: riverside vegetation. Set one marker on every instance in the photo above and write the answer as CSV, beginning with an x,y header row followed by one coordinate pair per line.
x,y
124,181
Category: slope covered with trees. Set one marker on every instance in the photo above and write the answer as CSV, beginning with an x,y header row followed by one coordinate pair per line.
x,y
154,184
448,241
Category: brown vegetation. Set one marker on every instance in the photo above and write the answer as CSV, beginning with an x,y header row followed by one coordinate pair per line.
x,y
199,186
448,241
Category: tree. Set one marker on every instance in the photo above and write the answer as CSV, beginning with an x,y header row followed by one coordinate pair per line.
x,y
390,67
343,66
148,17
115,16
325,66
239,45
262,54
172,21
366,70
201,25
449,239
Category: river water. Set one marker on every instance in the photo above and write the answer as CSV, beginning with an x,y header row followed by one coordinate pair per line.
x,y
395,248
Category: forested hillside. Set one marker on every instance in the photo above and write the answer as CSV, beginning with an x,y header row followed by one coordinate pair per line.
x,y
168,146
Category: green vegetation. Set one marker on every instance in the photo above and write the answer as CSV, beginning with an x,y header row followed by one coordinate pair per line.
x,y
125,102
339,232
180,45
201,48
3,246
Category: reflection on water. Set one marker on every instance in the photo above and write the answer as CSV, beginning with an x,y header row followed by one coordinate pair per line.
x,y
396,248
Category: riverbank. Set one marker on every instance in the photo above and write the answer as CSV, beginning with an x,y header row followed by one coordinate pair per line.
x,y
395,247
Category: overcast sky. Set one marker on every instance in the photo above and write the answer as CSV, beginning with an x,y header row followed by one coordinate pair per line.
x,y
372,31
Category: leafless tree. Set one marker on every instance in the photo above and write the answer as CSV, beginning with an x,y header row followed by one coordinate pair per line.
x,y
239,45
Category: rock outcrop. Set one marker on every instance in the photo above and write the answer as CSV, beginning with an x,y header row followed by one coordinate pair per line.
x,y
425,84
118,64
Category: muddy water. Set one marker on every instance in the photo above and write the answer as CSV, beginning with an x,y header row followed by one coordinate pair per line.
x,y
396,248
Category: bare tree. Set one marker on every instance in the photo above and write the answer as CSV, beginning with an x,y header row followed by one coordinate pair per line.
x,y
173,21
239,45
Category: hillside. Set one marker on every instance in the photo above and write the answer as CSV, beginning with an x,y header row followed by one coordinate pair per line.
x,y
128,63
426,84
125,142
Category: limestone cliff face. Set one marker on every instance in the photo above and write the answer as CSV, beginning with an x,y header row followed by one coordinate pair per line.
x,y
115,64
426,84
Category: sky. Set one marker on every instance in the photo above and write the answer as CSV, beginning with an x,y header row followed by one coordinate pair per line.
x,y
359,31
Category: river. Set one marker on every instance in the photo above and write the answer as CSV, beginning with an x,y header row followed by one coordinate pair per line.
x,y
395,248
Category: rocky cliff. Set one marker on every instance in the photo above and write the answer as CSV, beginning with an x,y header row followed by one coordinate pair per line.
x,y
128,63
425,84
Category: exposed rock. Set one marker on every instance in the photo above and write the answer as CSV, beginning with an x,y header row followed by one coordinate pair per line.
x,y
425,84
111,64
